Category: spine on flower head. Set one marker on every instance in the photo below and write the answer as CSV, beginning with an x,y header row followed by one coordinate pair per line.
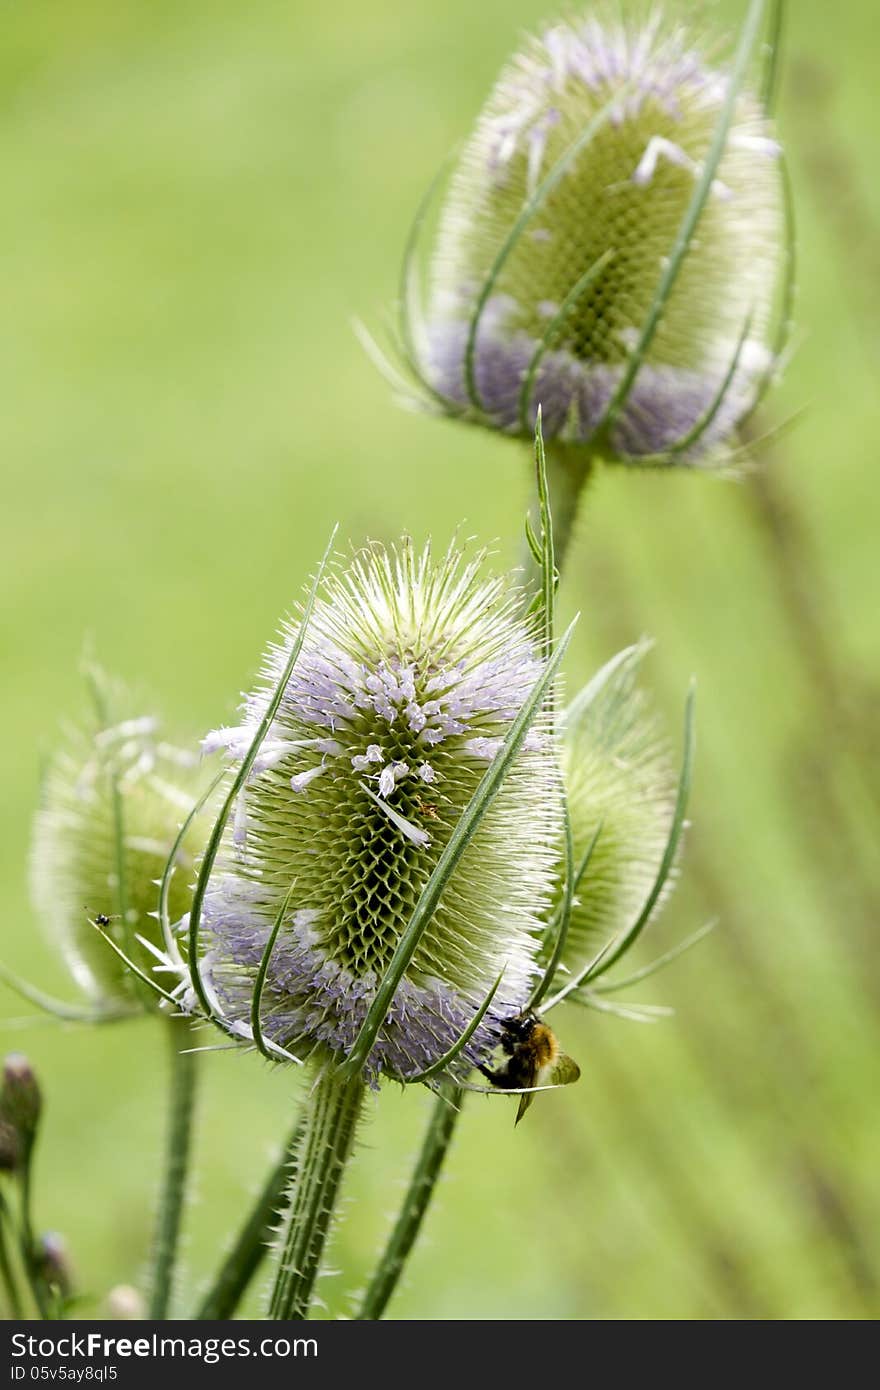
x,y
411,673
113,800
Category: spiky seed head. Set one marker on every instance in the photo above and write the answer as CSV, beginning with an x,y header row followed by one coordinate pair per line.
x,y
412,671
653,93
618,776
119,777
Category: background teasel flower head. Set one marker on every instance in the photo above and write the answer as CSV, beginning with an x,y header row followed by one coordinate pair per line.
x,y
113,797
559,228
621,788
410,675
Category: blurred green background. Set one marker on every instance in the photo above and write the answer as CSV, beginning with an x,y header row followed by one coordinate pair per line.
x,y
197,199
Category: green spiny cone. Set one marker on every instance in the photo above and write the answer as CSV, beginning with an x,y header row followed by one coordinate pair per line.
x,y
411,674
559,222
114,796
620,782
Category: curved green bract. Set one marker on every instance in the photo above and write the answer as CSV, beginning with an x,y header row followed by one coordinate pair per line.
x,y
256,1023
58,1008
165,886
690,220
569,302
675,831
534,204
572,883
454,1052
213,844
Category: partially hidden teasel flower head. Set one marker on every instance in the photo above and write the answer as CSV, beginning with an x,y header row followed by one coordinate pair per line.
x,y
411,673
559,221
114,796
621,788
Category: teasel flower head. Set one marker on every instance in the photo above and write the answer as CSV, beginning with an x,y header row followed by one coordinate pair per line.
x,y
114,797
611,245
411,673
621,788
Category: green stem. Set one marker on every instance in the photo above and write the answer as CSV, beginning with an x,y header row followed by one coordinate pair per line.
x,y
438,1136
28,1245
177,1152
252,1242
327,1142
7,1273
568,468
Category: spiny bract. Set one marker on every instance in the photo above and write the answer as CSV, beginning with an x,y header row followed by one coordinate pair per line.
x,y
115,779
578,239
410,675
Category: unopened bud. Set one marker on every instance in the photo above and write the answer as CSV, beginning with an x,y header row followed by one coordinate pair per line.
x,y
54,1265
9,1148
20,1099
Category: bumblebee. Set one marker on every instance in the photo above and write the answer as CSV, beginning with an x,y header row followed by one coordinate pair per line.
x,y
534,1059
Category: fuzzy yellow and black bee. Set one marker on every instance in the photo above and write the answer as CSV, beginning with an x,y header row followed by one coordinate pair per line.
x,y
534,1059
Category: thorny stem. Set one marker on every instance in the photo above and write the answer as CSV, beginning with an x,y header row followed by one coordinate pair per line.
x,y
418,1197
177,1152
252,1242
320,1162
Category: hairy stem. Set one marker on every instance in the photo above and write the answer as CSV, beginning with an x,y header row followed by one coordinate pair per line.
x,y
404,1234
177,1153
253,1241
321,1160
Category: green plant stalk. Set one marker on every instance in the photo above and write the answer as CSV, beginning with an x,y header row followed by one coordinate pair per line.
x,y
27,1243
253,1241
403,1237
321,1159
182,1093
7,1273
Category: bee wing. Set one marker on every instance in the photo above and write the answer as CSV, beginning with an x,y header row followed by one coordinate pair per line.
x,y
565,1071
526,1099
524,1103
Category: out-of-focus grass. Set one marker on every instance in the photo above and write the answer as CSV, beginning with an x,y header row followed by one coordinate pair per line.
x,y
197,199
